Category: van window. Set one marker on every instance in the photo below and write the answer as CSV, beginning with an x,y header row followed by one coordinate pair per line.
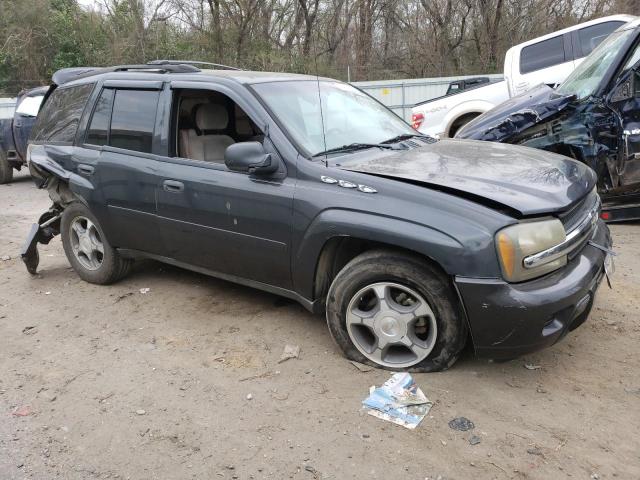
x,y
544,54
59,118
29,106
590,37
133,119
98,133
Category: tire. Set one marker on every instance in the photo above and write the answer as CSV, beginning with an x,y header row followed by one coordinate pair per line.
x,y
6,170
102,268
438,335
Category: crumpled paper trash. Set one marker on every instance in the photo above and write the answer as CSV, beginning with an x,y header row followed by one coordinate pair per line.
x,y
399,400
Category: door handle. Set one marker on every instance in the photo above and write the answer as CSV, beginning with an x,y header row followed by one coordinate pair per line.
x,y
85,169
173,186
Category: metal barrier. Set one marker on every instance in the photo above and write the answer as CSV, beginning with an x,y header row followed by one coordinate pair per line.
x,y
401,95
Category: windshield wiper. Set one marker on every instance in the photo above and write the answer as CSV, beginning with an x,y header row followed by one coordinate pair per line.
x,y
352,147
407,136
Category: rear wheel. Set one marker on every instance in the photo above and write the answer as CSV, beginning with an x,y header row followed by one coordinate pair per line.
x,y
397,311
461,122
87,249
6,170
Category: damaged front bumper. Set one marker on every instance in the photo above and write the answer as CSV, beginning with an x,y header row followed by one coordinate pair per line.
x,y
48,226
508,320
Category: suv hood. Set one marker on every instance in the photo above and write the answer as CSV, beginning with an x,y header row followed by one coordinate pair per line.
x,y
515,115
524,180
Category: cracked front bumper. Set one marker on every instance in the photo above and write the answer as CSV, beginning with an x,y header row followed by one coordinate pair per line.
x,y
508,320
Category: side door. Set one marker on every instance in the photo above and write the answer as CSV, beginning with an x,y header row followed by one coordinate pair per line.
x,y
624,99
118,154
235,224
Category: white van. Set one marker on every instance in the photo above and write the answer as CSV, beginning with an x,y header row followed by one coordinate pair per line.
x,y
551,58
548,59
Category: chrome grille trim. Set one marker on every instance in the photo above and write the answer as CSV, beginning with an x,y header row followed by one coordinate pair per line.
x,y
574,239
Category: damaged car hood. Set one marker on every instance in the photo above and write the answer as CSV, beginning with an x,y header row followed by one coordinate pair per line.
x,y
524,180
516,115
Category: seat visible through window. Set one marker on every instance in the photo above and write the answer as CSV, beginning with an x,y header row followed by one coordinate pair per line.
x,y
206,142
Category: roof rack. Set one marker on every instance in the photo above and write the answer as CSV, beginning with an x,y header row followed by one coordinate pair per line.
x,y
191,63
66,75
165,68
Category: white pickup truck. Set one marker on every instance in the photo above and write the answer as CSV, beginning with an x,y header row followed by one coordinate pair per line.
x,y
548,59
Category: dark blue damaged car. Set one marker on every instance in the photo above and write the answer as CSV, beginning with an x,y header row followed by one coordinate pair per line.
x,y
593,117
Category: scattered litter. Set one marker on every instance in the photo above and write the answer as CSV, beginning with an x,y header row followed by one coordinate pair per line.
x,y
23,411
249,396
531,366
633,391
361,366
312,471
290,351
535,451
6,258
461,424
399,401
29,330
47,293
123,296
266,374
474,440
145,290
140,412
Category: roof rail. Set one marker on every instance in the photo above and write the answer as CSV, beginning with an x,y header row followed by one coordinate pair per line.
x,y
165,68
66,75
191,62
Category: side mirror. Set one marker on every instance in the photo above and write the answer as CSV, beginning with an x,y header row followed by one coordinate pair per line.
x,y
249,157
623,91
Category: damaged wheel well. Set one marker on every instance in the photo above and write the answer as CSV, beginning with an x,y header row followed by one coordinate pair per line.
x,y
338,251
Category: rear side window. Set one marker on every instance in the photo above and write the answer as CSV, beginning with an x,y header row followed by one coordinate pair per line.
x,y
98,133
60,115
543,54
124,119
590,37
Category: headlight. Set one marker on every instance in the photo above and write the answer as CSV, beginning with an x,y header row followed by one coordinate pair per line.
x,y
516,242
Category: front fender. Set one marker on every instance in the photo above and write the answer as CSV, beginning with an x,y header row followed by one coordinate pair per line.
x,y
440,247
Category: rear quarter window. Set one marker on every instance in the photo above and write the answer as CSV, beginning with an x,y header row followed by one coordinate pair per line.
x,y
544,54
59,118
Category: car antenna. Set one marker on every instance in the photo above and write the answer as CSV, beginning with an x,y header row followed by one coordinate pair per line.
x,y
324,137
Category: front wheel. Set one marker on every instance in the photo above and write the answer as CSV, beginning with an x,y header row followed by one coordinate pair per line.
x,y
87,249
397,311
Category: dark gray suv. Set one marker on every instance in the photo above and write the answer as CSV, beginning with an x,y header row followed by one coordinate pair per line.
x,y
310,189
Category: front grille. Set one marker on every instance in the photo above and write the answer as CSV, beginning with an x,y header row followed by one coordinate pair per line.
x,y
571,218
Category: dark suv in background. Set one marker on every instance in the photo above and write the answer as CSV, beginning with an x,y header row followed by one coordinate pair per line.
x,y
407,243
15,132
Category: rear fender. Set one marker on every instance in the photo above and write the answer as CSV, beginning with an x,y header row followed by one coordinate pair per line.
x,y
64,187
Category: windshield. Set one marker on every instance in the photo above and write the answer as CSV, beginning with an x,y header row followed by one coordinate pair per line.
x,y
350,116
584,80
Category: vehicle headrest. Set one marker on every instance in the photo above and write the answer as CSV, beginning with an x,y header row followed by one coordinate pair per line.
x,y
212,116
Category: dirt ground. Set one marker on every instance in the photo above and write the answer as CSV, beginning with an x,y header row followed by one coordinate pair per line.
x,y
184,382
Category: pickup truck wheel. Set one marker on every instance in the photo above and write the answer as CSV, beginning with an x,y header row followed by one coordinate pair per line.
x,y
6,170
87,249
396,311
